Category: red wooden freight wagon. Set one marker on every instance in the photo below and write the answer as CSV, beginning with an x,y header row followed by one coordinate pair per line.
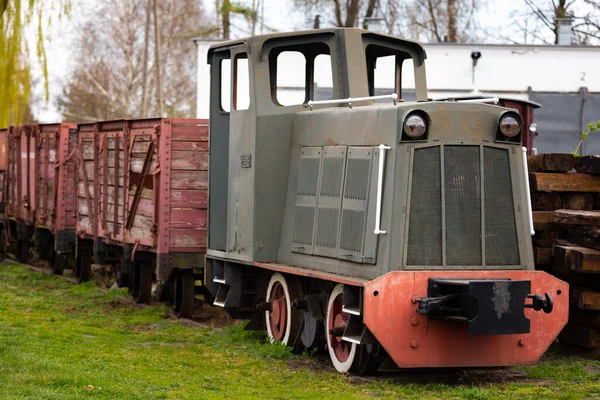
x,y
3,166
147,184
40,191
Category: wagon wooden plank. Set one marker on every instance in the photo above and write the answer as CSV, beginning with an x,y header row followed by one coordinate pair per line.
x,y
189,198
84,222
145,207
140,233
189,136
588,164
82,208
186,160
146,193
551,162
189,180
136,165
81,189
189,146
140,147
187,238
142,222
556,182
188,219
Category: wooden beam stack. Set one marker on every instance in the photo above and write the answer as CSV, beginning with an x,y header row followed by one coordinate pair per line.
x,y
565,196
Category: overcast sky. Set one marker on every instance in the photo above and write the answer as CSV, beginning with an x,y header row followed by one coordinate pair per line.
x,y
279,15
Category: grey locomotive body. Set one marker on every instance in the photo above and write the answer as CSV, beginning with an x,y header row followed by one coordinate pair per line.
x,y
356,221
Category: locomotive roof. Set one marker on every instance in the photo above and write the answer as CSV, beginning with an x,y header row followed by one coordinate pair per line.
x,y
414,45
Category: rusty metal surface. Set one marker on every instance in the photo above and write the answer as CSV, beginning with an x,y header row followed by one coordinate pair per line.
x,y
412,340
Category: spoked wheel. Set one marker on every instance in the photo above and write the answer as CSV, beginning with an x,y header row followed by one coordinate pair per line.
x,y
58,263
184,295
284,323
83,268
345,356
141,287
23,251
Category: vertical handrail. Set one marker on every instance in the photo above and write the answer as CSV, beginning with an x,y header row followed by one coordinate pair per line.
x,y
382,149
529,209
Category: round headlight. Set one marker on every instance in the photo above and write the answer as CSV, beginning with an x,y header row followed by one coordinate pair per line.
x,y
415,126
510,126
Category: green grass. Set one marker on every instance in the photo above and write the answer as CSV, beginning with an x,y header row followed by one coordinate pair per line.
x,y
65,341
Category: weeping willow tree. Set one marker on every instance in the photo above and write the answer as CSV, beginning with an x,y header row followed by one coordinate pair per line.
x,y
22,28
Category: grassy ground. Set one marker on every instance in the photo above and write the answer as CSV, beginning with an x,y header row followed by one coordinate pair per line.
x,y
65,341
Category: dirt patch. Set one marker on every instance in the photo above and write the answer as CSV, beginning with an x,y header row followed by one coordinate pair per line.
x,y
592,369
211,316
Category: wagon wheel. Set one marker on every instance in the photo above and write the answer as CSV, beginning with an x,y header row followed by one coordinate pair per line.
x,y
345,356
184,293
23,251
83,268
141,288
3,242
122,278
284,323
58,263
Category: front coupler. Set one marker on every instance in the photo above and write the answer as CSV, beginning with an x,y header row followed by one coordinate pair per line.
x,y
489,306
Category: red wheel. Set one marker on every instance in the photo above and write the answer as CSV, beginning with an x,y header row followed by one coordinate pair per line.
x,y
283,322
345,356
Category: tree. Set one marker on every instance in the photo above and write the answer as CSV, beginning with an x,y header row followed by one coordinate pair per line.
x,y
539,22
17,16
338,13
442,20
108,79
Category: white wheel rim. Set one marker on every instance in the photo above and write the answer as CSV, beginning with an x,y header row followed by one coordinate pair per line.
x,y
278,278
345,366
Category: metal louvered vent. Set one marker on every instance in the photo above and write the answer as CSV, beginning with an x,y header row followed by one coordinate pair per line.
x,y
425,223
330,200
449,189
355,206
501,244
306,200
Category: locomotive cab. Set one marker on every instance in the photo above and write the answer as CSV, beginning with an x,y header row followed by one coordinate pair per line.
x,y
361,219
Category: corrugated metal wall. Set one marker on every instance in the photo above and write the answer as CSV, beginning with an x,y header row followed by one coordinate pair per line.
x,y
562,118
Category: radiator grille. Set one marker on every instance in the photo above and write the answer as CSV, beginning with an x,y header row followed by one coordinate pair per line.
x,y
425,224
501,244
459,182
462,184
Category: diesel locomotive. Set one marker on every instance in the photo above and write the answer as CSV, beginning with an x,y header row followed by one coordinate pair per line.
x,y
393,233
371,225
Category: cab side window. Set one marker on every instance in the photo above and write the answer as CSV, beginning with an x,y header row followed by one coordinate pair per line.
x,y
299,73
389,71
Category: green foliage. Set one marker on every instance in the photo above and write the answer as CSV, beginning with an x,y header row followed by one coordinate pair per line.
x,y
16,18
65,341
592,127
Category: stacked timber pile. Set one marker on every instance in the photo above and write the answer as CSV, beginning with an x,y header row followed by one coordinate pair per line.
x,y
566,213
